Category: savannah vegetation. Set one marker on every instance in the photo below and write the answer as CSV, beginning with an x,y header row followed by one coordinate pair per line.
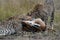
x,y
10,8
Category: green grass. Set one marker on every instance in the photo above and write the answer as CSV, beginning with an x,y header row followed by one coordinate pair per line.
x,y
25,6
57,16
15,7
10,10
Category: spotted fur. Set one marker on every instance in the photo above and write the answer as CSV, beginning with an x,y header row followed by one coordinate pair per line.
x,y
44,11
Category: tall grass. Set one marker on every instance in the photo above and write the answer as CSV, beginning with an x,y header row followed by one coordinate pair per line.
x,y
14,7
57,16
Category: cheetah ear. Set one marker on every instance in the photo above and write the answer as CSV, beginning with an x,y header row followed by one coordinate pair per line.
x,y
29,14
